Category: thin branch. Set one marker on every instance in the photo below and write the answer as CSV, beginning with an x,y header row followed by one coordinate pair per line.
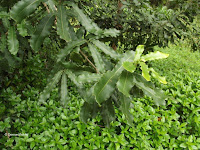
x,y
45,5
89,61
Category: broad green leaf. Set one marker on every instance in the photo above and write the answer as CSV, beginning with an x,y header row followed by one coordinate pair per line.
x,y
88,94
13,43
145,71
77,69
4,14
106,85
6,23
71,45
156,75
3,43
46,93
107,112
86,77
154,56
24,8
125,83
63,24
149,89
63,92
106,49
97,58
125,108
22,29
88,111
138,53
85,21
43,29
129,66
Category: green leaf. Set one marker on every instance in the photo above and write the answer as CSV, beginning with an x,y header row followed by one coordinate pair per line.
x,y
106,49
111,32
97,58
145,71
73,77
129,66
64,93
86,77
138,53
30,140
63,24
125,108
106,85
51,5
24,8
107,112
46,93
149,89
85,21
71,45
88,111
88,94
13,43
22,29
154,56
4,14
156,75
125,83
43,29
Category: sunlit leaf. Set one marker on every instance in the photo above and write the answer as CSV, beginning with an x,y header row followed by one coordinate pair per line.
x,y
145,71
129,66
138,52
157,76
154,56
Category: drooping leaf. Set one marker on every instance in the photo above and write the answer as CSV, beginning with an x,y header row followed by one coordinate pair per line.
x,y
64,92
63,24
125,83
125,107
106,85
88,111
145,71
138,53
24,8
107,112
156,75
106,49
46,93
85,21
13,43
149,89
154,56
71,45
43,29
86,77
22,29
129,66
97,58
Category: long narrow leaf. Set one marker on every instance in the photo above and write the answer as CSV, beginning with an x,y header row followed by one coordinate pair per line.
x,y
149,89
46,93
62,24
97,58
24,8
64,92
13,43
43,30
154,56
106,49
86,77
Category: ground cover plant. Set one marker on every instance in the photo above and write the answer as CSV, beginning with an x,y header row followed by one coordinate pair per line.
x,y
58,71
174,126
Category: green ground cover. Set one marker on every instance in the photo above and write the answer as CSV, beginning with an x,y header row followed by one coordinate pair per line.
x,y
174,126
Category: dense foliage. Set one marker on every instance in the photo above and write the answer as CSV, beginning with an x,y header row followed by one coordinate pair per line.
x,y
175,126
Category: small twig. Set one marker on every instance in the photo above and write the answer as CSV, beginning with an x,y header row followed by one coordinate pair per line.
x,y
89,61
